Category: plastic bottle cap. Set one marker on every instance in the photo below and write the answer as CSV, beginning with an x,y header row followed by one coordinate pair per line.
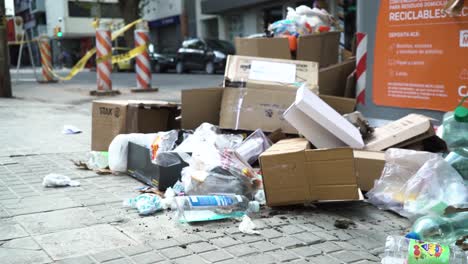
x,y
413,235
254,207
461,114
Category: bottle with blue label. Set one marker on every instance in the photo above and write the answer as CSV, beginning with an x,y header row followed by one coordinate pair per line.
x,y
402,250
197,208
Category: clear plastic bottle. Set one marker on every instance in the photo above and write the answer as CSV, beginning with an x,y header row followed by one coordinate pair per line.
x,y
459,160
455,127
198,208
444,230
402,250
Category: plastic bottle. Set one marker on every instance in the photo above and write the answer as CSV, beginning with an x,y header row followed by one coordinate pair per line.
x,y
455,128
445,230
401,250
459,160
198,208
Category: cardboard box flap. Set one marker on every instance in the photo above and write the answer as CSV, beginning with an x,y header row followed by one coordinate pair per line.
x,y
334,167
341,104
287,146
263,47
328,154
201,105
151,103
333,79
369,167
394,133
373,155
333,193
242,71
113,102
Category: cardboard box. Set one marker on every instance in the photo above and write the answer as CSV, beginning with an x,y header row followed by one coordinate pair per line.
x,y
204,105
369,167
322,48
400,133
333,80
111,118
139,166
294,174
256,72
320,123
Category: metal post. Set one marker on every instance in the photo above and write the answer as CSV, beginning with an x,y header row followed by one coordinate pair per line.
x,y
5,79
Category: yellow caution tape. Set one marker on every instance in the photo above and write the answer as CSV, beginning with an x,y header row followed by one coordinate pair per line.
x,y
10,43
82,62
125,56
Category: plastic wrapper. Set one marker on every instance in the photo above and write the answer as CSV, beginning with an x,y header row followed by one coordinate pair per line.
x,y
146,204
165,142
415,183
118,149
58,180
98,160
214,171
253,146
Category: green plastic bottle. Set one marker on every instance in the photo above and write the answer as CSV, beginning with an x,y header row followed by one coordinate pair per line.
x,y
455,134
438,229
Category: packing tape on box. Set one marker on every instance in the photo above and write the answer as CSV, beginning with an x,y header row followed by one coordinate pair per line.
x,y
79,66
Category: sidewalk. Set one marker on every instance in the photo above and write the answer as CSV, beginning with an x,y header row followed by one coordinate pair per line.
x,y
88,224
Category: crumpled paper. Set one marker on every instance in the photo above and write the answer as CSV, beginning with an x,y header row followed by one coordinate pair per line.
x,y
247,226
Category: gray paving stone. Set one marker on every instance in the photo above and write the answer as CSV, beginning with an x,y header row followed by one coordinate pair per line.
x,y
77,260
270,233
291,229
134,250
346,256
107,255
327,247
193,259
259,259
201,247
283,255
22,243
287,242
119,261
224,242
210,235
264,246
306,251
308,238
326,236
147,258
76,242
247,238
163,243
241,250
11,230
216,256
23,256
323,260
175,252
188,238
49,222
30,205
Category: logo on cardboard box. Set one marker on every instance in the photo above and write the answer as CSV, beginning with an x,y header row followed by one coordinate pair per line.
x,y
109,111
464,38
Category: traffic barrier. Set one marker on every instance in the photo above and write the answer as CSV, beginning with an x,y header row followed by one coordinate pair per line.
x,y
361,67
46,59
103,48
142,61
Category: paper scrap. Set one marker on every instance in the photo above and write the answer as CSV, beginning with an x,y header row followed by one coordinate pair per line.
x,y
273,71
69,130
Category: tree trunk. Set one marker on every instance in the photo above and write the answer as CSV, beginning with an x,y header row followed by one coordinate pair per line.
x,y
129,10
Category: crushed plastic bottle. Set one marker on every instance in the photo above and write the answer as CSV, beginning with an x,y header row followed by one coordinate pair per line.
x,y
401,250
459,161
197,208
444,230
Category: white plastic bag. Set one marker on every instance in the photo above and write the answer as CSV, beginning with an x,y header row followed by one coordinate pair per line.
x,y
146,204
58,180
118,149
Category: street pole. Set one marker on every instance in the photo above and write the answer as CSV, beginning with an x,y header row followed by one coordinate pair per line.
x,y
5,79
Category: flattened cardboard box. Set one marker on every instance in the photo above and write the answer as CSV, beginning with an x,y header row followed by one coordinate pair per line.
x,y
294,174
204,105
111,118
369,167
322,48
407,130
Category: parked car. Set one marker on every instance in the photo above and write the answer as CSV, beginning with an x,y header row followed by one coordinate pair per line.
x,y
128,65
163,61
208,55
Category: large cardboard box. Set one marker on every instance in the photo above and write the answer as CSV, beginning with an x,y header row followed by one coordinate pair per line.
x,y
322,48
294,174
369,167
204,105
113,117
333,80
400,133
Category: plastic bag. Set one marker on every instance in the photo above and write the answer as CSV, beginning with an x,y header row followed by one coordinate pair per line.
x,y
164,143
433,188
219,171
459,160
98,160
253,146
400,166
118,149
146,204
58,180
415,183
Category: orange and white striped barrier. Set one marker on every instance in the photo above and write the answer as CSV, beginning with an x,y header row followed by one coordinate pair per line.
x,y
142,61
361,67
103,49
46,59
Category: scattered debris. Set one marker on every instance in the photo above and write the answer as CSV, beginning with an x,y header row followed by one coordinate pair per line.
x,y
247,226
70,130
344,223
58,180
